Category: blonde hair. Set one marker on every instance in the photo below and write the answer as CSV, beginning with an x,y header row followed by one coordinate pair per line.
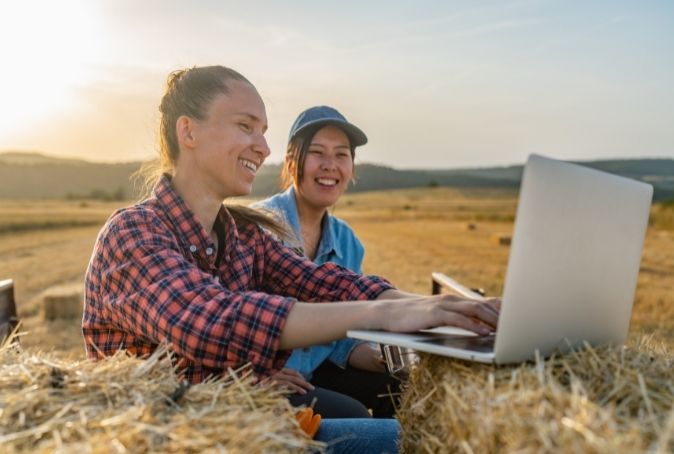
x,y
190,92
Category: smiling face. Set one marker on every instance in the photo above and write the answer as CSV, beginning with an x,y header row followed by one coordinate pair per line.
x,y
327,170
228,146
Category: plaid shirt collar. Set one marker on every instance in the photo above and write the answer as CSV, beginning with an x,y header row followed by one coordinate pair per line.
x,y
190,231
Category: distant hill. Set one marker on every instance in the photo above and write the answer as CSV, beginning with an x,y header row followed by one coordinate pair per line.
x,y
34,157
28,175
33,175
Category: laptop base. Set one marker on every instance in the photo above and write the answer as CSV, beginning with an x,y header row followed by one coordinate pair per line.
x,y
470,348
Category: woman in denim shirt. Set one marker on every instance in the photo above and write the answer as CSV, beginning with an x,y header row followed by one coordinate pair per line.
x,y
344,377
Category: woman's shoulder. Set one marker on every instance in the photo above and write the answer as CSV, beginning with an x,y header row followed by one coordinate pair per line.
x,y
142,217
280,208
272,206
278,205
128,228
140,212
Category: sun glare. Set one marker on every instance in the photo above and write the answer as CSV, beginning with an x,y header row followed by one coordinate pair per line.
x,y
46,51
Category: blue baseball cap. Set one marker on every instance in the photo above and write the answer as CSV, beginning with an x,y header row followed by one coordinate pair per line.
x,y
319,116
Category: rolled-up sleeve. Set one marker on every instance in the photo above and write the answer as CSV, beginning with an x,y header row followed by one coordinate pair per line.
x,y
342,350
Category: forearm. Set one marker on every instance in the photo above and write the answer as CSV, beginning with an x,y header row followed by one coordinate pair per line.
x,y
317,323
366,357
395,294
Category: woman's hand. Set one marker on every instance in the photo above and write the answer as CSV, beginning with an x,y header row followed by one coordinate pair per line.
x,y
412,314
493,304
291,380
366,357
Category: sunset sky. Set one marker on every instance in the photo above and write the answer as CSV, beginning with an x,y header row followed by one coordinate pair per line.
x,y
432,83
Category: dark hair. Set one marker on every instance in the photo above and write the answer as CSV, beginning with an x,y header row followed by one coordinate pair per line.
x,y
190,92
297,154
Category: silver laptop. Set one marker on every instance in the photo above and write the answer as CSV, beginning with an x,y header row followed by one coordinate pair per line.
x,y
572,271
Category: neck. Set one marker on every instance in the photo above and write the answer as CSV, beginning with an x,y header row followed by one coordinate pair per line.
x,y
310,225
203,203
310,216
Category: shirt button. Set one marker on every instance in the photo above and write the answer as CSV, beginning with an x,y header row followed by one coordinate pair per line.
x,y
209,251
193,248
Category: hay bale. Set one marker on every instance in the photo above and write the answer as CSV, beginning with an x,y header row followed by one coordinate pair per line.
x,y
63,301
501,240
595,400
125,404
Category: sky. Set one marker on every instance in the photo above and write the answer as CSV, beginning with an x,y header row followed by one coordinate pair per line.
x,y
434,84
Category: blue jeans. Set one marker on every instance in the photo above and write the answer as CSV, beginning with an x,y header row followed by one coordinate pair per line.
x,y
355,435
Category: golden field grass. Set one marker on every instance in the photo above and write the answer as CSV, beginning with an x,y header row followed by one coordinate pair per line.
x,y
407,235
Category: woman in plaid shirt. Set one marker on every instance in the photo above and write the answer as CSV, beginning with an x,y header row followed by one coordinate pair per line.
x,y
181,268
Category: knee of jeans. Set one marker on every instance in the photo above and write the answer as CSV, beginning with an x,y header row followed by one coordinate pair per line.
x,y
357,410
360,435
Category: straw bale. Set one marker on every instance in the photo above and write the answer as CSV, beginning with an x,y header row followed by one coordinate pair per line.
x,y
601,400
63,301
501,240
126,404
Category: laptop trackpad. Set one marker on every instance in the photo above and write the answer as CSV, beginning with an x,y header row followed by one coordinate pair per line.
x,y
482,344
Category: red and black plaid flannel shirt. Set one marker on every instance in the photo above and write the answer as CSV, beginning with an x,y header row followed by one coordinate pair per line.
x,y
153,278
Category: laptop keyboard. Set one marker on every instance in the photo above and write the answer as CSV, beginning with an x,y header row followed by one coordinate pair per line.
x,y
481,344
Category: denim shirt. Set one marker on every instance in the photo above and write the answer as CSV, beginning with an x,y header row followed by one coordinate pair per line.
x,y
339,245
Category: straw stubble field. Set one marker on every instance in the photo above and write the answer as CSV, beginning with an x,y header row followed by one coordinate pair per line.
x,y
407,234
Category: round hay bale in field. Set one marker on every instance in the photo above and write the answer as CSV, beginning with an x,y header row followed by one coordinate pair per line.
x,y
126,404
63,301
500,239
600,400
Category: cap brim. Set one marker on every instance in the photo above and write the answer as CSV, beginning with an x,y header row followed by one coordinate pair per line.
x,y
356,136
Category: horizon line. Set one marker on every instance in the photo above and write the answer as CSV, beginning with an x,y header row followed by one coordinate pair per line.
x,y
47,155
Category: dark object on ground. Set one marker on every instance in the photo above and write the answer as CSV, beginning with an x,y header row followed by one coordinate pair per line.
x,y
8,317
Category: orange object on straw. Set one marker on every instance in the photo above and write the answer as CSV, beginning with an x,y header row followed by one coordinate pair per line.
x,y
309,422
